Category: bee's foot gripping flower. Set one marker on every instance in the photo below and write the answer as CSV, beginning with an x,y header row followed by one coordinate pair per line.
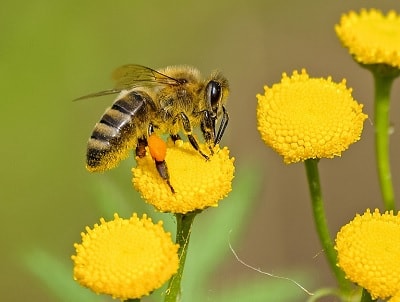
x,y
198,183
125,258
369,253
302,117
371,37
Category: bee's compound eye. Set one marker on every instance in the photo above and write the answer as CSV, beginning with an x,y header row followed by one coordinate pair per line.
x,y
213,92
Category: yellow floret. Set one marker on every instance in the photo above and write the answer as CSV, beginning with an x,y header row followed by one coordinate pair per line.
x,y
125,258
369,253
371,37
198,183
303,117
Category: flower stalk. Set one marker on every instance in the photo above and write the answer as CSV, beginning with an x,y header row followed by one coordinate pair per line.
x,y
321,223
366,296
183,230
383,86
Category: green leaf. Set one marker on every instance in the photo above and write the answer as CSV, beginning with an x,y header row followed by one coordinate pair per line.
x,y
57,276
215,228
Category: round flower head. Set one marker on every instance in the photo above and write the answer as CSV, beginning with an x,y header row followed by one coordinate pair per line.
x,y
126,259
371,37
369,253
198,183
303,117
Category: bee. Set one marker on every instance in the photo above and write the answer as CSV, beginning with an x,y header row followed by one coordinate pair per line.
x,y
154,102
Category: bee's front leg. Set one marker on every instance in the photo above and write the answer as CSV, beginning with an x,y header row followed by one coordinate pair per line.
x,y
222,125
207,126
187,128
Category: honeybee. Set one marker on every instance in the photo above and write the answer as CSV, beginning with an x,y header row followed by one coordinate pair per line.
x,y
153,102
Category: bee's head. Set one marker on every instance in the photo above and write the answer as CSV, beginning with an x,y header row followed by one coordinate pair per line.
x,y
216,94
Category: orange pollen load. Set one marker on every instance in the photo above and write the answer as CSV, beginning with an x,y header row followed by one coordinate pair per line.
x,y
157,147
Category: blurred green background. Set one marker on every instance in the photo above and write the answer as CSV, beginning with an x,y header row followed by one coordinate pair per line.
x,y
54,51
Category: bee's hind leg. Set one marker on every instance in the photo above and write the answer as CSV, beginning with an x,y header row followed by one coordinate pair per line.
x,y
163,172
158,151
156,147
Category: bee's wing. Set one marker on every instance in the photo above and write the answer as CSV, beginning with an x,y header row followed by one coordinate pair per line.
x,y
96,94
132,75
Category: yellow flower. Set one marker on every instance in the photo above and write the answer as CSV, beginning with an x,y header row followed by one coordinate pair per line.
x,y
371,37
198,183
303,117
125,258
369,253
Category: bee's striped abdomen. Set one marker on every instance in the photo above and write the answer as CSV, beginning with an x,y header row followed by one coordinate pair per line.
x,y
116,134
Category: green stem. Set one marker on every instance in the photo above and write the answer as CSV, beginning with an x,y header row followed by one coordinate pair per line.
x,y
383,86
366,297
183,231
321,223
133,300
